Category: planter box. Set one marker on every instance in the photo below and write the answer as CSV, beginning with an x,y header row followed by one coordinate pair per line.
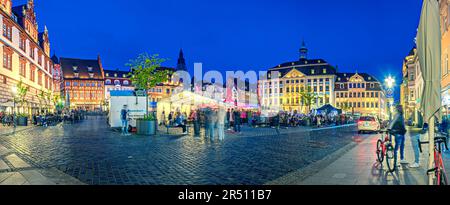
x,y
146,127
22,121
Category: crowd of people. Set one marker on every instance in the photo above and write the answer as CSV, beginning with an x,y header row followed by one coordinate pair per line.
x,y
294,119
217,120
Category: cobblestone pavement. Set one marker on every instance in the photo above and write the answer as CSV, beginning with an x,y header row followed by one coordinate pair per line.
x,y
95,154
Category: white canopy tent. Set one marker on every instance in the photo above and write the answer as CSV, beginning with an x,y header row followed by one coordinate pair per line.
x,y
429,50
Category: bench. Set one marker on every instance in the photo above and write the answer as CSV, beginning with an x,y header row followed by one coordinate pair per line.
x,y
171,126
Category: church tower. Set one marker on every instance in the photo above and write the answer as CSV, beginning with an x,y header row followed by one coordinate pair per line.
x,y
303,52
181,65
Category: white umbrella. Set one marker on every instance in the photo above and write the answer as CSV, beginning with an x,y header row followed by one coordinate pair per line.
x,y
429,51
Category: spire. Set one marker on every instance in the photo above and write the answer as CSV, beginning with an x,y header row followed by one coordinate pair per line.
x,y
181,65
303,51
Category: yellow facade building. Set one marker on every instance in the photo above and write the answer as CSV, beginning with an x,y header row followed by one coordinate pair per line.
x,y
361,94
285,83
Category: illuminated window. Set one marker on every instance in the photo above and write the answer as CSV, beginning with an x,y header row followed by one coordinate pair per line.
x,y
7,29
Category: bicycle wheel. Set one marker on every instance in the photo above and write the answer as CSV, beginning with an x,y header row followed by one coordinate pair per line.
x,y
380,153
390,158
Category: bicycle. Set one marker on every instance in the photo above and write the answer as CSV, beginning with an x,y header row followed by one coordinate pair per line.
x,y
439,170
385,150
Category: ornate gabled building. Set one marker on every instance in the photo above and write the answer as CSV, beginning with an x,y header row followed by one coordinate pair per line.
x,y
83,85
283,92
412,87
117,80
25,56
361,94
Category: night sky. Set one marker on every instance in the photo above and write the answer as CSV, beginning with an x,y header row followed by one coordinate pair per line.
x,y
368,36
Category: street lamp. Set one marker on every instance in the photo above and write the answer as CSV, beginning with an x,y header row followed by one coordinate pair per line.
x,y
390,84
14,93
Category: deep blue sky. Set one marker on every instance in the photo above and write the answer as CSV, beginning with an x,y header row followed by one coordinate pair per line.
x,y
370,36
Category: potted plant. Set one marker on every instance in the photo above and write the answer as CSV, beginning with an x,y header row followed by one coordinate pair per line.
x,y
146,74
146,125
22,120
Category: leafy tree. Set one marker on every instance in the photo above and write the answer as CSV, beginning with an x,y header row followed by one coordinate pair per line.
x,y
308,97
22,90
146,73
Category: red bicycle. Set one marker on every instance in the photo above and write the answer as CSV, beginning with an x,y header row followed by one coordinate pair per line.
x,y
385,150
439,169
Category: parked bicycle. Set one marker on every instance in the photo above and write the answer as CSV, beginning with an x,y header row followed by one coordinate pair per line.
x,y
386,151
439,169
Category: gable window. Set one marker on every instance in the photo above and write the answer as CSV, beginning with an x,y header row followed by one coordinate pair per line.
x,y
39,77
7,58
22,42
23,67
31,51
32,75
7,29
39,59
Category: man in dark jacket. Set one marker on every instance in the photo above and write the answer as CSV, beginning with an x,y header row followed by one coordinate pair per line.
x,y
398,129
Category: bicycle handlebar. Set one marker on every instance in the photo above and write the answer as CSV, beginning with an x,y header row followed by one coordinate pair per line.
x,y
437,140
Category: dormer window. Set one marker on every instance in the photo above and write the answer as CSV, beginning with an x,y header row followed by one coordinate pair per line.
x,y
115,75
107,74
77,75
75,68
124,75
324,71
313,71
91,75
90,69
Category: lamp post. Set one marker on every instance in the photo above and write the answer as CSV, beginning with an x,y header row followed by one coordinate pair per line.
x,y
14,93
390,85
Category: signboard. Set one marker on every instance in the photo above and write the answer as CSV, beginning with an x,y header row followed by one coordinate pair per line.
x,y
136,106
140,93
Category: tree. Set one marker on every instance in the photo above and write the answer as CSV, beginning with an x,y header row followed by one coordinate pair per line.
x,y
308,97
345,106
41,98
145,73
21,94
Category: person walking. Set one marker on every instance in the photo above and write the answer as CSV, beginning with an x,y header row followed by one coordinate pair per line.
x,y
124,117
276,122
221,118
415,143
231,119
237,121
398,129
228,119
